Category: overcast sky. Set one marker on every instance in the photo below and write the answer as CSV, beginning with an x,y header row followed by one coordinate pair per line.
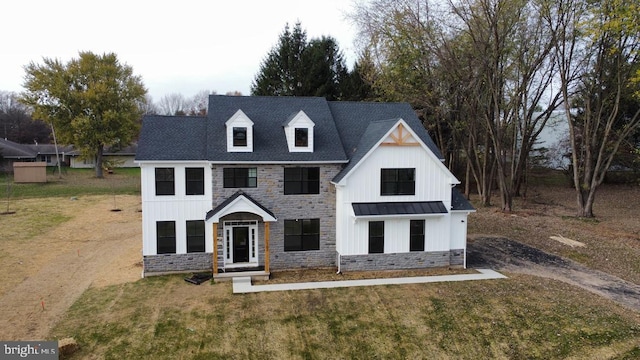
x,y
176,46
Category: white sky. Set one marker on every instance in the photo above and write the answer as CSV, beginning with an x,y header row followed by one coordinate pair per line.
x,y
176,46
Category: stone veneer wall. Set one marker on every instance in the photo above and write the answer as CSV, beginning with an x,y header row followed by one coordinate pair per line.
x,y
270,193
401,261
456,257
167,263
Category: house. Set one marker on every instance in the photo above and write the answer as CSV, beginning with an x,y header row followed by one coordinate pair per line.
x,y
11,152
114,156
68,155
265,183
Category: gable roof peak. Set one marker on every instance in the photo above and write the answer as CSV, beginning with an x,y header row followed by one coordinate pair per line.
x,y
296,117
238,116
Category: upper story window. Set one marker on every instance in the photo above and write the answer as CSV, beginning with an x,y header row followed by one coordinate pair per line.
x,y
299,132
398,181
301,180
239,136
165,181
302,137
240,177
239,133
194,178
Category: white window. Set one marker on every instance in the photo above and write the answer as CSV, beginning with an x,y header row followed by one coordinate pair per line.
x,y
299,132
239,133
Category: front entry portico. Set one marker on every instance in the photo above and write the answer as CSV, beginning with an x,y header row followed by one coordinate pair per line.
x,y
240,219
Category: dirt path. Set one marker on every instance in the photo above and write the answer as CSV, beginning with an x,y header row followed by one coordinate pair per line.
x,y
512,256
97,247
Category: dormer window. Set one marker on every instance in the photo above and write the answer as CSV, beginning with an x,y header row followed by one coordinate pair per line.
x,y
302,137
299,131
239,136
239,133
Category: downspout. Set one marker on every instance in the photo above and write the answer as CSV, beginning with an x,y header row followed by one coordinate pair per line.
x,y
338,264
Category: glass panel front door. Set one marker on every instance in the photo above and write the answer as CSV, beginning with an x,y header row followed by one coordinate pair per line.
x,y
240,244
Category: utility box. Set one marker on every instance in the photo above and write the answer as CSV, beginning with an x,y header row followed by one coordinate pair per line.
x,y
30,172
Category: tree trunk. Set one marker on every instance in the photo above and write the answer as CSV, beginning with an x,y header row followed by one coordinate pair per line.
x,y
98,162
586,199
467,180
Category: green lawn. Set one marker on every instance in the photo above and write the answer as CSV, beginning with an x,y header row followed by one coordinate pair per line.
x,y
75,182
522,317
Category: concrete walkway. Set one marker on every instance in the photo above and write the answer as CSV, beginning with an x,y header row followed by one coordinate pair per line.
x,y
242,285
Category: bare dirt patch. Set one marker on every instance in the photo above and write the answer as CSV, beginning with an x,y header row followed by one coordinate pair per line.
x,y
612,239
44,273
512,256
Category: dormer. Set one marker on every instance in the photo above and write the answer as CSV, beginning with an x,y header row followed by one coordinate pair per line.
x,y
239,133
299,132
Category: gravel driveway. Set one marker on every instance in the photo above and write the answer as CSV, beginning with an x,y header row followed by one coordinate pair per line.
x,y
511,256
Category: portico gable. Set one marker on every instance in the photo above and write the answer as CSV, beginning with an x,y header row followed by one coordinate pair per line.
x,y
240,203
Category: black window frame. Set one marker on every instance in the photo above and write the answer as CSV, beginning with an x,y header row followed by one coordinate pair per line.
x,y
301,180
195,236
239,177
301,137
397,181
194,185
416,235
301,235
165,237
376,237
165,179
239,141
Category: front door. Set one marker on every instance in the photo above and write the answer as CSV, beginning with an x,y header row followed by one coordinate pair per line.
x,y
241,244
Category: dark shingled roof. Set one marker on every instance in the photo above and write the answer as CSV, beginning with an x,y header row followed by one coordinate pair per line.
x,y
343,131
399,208
269,141
12,150
172,138
353,118
238,193
459,202
362,125
373,133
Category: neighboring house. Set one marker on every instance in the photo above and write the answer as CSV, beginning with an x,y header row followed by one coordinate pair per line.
x,y
47,153
290,182
12,152
124,157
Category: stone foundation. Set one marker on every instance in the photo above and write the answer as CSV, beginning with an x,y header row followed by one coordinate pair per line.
x,y
401,261
456,257
169,263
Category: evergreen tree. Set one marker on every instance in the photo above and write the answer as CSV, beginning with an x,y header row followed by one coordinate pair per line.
x,y
297,67
282,72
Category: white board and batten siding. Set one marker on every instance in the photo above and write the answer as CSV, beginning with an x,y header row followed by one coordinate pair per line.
x,y
179,207
363,185
459,229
